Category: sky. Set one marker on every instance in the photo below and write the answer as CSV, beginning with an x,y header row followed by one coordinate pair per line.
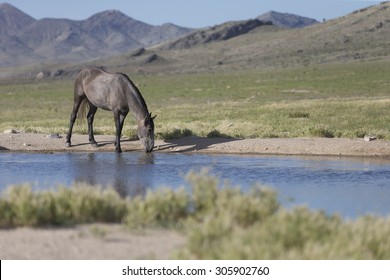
x,y
189,13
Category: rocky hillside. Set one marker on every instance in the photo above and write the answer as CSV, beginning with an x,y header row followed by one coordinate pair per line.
x,y
233,29
24,40
220,32
359,36
287,20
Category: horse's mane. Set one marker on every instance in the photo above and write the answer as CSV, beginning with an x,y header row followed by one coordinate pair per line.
x,y
138,95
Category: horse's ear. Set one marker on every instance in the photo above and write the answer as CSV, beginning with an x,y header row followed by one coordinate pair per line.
x,y
149,119
150,116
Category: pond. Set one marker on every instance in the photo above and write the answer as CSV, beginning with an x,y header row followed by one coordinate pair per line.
x,y
350,187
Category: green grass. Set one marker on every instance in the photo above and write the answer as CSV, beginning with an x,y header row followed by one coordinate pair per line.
x,y
220,222
338,100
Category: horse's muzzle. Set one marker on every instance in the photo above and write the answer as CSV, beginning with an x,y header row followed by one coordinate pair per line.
x,y
148,144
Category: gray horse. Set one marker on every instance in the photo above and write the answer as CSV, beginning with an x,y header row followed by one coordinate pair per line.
x,y
97,88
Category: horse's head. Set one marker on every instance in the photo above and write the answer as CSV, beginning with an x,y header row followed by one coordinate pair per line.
x,y
146,132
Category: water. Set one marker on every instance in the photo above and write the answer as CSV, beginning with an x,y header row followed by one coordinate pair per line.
x,y
350,187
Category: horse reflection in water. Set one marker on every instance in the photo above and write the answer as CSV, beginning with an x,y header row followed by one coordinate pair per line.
x,y
129,177
97,88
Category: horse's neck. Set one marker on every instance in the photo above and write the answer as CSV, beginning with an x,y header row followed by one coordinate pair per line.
x,y
137,105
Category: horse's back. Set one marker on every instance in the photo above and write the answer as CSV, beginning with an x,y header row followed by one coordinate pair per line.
x,y
89,74
103,89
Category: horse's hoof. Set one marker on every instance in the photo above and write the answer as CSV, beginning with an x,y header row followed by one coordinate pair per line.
x,y
95,145
68,145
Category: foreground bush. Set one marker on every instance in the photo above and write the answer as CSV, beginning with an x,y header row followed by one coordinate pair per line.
x,y
164,207
297,234
220,222
21,206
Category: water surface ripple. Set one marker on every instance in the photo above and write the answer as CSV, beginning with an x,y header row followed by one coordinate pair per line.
x,y
350,187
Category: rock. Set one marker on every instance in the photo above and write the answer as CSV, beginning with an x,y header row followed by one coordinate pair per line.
x,y
40,75
369,138
53,136
11,131
57,73
152,58
137,52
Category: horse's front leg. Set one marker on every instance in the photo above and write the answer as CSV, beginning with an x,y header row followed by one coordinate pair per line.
x,y
119,118
90,118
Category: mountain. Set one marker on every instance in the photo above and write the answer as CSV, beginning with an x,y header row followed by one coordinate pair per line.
x,y
287,20
24,40
115,29
12,20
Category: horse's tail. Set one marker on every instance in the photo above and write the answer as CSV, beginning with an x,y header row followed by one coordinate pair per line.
x,y
81,114
79,93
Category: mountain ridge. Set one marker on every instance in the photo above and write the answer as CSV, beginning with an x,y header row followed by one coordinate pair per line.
x,y
362,35
287,20
12,19
220,32
25,40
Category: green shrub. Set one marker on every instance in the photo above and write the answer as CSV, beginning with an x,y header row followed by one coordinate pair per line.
x,y
295,234
321,131
174,134
299,115
215,133
163,207
66,206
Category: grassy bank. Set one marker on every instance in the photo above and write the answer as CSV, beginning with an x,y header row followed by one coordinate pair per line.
x,y
220,223
346,100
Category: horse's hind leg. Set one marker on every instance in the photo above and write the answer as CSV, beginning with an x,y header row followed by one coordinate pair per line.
x,y
90,117
119,118
73,116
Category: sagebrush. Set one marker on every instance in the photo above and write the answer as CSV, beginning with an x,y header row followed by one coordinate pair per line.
x,y
220,221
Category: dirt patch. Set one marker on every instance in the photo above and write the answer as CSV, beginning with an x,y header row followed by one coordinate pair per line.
x,y
95,242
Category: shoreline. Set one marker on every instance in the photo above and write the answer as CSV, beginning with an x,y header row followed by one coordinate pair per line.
x,y
340,147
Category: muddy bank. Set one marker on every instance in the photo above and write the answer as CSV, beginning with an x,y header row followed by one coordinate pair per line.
x,y
30,142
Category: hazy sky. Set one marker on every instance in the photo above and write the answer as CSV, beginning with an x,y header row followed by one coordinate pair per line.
x,y
188,13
